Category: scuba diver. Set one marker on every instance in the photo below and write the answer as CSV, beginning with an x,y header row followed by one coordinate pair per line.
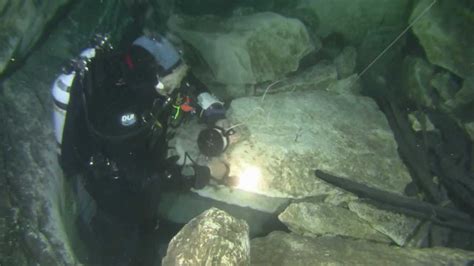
x,y
113,113
113,109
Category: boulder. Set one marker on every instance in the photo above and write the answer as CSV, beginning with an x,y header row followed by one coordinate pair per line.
x,y
417,74
355,19
446,35
245,49
396,226
445,85
284,137
279,248
463,98
180,208
212,238
345,62
21,26
369,25
320,219
243,198
321,76
317,77
350,85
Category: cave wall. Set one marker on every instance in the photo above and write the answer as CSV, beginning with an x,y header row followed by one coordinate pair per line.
x,y
22,24
37,205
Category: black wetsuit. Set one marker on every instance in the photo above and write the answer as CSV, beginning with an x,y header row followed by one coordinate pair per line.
x,y
108,90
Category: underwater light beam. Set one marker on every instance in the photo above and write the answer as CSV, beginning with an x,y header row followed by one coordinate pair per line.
x,y
249,178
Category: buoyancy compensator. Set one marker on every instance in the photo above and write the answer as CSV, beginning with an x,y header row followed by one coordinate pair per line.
x,y
117,115
125,114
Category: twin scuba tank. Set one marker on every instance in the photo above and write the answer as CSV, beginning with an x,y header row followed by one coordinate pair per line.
x,y
61,91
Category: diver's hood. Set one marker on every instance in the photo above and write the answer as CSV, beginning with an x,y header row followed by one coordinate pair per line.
x,y
164,53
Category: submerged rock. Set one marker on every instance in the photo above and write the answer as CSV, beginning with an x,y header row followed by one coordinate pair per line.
x,y
317,77
444,84
355,19
180,208
350,85
280,248
245,49
417,74
286,136
464,97
212,238
446,34
320,219
346,62
243,198
396,226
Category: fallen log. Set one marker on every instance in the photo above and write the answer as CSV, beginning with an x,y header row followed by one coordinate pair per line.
x,y
393,202
452,160
412,152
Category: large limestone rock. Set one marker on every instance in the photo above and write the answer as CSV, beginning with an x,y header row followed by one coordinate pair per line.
x,y
285,137
446,34
280,248
21,25
445,85
346,62
354,20
319,219
417,75
319,76
245,49
369,25
463,98
180,208
397,226
212,238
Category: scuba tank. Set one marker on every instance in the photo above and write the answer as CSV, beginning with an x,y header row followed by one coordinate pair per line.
x,y
61,90
61,87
